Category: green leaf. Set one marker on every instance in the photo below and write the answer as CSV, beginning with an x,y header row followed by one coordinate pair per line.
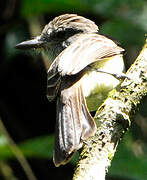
x,y
124,31
40,147
36,7
126,164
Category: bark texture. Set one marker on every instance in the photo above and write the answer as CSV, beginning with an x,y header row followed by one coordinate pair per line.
x,y
113,119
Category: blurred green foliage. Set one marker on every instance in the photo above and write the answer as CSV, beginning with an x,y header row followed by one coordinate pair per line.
x,y
125,21
125,163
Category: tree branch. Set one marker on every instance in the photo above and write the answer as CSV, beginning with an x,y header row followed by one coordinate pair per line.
x,y
113,119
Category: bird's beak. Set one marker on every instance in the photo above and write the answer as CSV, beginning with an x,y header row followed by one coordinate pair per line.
x,y
34,43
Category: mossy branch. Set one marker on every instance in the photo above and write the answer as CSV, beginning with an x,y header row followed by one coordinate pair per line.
x,y
113,119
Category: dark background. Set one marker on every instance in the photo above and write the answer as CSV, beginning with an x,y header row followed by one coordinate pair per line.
x,y
24,108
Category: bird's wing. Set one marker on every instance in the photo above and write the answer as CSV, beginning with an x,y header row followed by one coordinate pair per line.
x,y
89,48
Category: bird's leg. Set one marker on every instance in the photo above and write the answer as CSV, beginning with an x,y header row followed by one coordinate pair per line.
x,y
119,76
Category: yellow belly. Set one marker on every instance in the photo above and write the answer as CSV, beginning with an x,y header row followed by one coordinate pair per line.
x,y
96,86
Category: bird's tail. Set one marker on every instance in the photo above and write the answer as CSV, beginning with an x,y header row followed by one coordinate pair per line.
x,y
73,125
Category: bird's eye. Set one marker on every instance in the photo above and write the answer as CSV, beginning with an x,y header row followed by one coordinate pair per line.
x,y
60,34
64,33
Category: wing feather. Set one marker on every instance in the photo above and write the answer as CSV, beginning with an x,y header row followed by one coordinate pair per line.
x,y
88,49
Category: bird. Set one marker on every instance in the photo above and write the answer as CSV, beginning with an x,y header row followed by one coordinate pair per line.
x,y
82,72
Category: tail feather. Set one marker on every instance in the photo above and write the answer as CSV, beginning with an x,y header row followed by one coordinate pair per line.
x,y
88,124
74,123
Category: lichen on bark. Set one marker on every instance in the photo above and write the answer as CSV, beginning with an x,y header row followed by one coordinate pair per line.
x,y
113,119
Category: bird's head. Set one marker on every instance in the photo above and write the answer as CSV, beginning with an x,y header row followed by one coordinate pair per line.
x,y
59,31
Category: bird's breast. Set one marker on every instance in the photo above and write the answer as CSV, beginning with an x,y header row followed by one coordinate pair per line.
x,y
96,85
